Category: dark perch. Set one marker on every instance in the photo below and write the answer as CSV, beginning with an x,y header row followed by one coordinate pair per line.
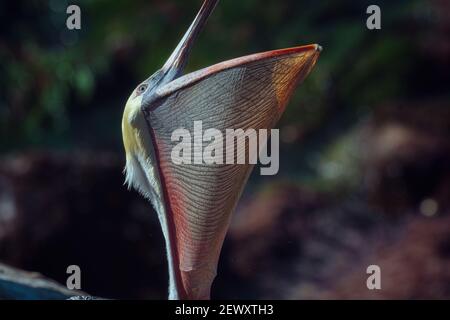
x,y
21,285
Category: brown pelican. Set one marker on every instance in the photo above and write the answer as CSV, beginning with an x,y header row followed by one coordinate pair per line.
x,y
194,202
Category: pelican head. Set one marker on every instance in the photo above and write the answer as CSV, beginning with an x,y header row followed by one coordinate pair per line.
x,y
194,202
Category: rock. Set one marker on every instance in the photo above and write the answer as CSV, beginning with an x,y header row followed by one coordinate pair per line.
x,y
16,284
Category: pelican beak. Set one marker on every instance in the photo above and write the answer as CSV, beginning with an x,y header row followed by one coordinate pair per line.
x,y
198,198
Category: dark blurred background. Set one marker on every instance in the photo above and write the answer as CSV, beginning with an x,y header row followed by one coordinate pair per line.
x,y
365,151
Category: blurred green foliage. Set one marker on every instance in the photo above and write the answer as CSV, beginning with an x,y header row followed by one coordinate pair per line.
x,y
65,89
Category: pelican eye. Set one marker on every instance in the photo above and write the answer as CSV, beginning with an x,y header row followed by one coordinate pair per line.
x,y
141,89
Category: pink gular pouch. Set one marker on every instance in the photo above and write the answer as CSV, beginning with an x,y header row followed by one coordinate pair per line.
x,y
195,201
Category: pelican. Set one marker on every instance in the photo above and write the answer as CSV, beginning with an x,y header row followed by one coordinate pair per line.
x,y
194,202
